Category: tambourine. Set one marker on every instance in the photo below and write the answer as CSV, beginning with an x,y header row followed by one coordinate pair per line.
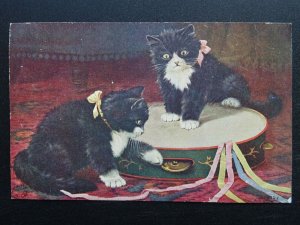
x,y
188,154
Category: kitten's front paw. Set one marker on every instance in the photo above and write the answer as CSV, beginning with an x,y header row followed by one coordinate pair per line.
x,y
231,102
153,157
189,124
112,179
169,117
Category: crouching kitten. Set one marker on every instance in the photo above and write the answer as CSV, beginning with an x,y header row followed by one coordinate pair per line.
x,y
70,138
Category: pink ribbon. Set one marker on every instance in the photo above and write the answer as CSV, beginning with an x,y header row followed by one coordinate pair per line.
x,y
204,49
146,192
230,174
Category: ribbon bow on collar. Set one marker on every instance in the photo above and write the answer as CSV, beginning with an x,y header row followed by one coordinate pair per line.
x,y
95,98
204,49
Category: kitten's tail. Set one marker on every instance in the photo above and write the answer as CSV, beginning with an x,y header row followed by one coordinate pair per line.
x,y
270,108
45,182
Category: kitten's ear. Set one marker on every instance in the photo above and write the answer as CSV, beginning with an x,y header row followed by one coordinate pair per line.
x,y
136,92
188,30
138,103
153,40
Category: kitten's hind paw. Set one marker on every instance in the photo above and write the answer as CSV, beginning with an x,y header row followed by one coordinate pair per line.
x,y
112,179
153,157
189,124
169,117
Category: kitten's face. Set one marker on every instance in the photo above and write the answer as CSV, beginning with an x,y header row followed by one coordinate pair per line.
x,y
126,111
174,50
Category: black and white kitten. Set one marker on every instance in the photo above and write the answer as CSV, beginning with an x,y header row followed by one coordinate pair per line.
x,y
187,87
69,138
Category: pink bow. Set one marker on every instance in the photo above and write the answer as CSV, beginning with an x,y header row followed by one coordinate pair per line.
x,y
204,49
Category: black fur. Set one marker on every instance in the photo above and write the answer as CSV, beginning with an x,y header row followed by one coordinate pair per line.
x,y
210,83
69,139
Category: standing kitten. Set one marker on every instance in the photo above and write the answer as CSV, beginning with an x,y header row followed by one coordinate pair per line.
x,y
69,138
187,85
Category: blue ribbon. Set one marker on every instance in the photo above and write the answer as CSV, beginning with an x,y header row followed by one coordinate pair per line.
x,y
249,181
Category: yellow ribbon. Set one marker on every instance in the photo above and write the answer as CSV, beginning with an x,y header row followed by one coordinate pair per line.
x,y
221,179
253,176
95,98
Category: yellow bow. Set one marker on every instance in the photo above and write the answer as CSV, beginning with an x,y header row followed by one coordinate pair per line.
x,y
95,98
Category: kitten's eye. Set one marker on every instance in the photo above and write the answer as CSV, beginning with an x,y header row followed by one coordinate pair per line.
x,y
184,52
139,122
166,56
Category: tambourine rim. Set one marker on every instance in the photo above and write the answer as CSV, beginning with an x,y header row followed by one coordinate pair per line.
x,y
176,179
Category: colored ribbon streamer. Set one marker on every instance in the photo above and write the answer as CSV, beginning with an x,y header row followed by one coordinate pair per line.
x,y
146,192
256,182
253,176
230,174
221,179
247,180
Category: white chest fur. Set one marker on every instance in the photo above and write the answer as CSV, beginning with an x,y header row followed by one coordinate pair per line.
x,y
119,142
178,72
180,79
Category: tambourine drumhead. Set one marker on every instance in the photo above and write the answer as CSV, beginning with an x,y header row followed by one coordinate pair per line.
x,y
218,124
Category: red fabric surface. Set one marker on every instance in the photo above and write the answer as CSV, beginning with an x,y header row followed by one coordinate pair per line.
x,y
41,86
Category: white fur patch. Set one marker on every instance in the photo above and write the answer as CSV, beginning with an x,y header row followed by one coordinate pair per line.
x,y
112,179
178,72
189,124
169,117
231,102
138,131
153,156
119,142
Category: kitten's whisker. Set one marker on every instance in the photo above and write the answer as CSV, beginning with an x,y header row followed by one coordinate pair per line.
x,y
157,67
